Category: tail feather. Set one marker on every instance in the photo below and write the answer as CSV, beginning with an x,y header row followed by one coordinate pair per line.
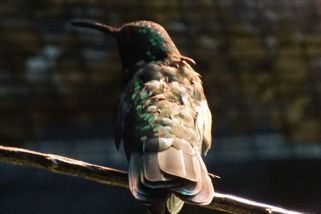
x,y
177,163
151,168
154,181
188,188
134,183
206,194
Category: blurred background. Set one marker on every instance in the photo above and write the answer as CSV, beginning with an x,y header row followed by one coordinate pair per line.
x,y
261,67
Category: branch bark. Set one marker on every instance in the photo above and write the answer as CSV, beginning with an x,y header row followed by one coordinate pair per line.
x,y
62,165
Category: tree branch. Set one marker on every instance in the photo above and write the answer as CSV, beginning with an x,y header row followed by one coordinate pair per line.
x,y
62,165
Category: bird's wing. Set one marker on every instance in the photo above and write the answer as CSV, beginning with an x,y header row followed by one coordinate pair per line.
x,y
124,108
203,121
119,123
122,120
204,124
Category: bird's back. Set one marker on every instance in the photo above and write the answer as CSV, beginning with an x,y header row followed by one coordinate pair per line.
x,y
165,123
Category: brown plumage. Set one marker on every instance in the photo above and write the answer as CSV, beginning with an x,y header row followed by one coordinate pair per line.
x,y
163,119
164,152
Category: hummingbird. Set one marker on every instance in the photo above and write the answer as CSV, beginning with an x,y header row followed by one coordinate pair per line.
x,y
163,119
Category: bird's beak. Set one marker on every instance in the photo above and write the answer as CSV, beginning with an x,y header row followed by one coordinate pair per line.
x,y
96,26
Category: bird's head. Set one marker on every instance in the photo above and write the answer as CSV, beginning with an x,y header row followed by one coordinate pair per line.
x,y
137,41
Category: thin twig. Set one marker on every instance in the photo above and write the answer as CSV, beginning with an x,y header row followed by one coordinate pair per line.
x,y
62,165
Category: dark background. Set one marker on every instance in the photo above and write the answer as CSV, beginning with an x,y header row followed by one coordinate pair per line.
x,y
261,67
